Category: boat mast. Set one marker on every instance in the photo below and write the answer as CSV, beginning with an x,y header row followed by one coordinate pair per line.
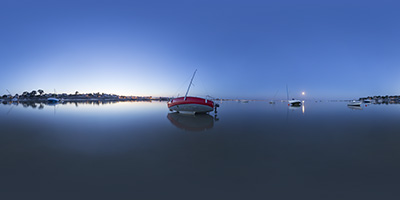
x,y
190,84
287,92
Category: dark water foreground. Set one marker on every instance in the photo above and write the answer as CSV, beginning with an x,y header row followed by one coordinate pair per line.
x,y
248,151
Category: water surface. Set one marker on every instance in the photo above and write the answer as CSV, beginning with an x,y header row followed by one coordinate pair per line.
x,y
255,150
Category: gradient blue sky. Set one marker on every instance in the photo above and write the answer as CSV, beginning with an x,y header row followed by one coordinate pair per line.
x,y
242,49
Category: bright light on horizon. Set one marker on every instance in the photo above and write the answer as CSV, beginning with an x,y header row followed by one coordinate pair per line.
x,y
303,93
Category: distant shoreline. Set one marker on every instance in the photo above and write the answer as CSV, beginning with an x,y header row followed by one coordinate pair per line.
x,y
40,97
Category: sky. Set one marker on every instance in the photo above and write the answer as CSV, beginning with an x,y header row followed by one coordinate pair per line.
x,y
241,49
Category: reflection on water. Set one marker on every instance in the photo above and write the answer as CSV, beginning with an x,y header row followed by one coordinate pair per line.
x,y
41,105
295,107
29,104
198,122
354,107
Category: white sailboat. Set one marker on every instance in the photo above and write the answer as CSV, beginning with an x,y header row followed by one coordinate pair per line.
x,y
273,100
354,103
293,102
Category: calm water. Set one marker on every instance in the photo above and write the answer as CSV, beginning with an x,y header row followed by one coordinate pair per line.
x,y
248,151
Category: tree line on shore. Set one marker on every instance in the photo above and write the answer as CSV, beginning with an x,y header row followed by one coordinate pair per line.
x,y
40,95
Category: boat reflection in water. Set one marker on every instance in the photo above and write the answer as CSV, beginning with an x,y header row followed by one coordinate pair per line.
x,y
53,103
198,122
294,107
301,107
355,107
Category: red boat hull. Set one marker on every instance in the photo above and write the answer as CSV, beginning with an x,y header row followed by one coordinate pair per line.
x,y
191,104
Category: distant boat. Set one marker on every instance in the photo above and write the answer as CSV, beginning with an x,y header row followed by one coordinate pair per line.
x,y
52,100
272,100
354,103
293,102
191,105
367,101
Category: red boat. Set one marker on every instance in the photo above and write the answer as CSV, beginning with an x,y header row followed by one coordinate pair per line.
x,y
191,105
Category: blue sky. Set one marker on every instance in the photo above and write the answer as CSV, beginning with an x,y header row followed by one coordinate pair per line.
x,y
242,49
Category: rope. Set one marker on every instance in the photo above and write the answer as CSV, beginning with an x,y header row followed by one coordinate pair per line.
x,y
183,83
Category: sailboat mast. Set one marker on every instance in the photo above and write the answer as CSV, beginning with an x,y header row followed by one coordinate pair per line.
x,y
190,84
287,92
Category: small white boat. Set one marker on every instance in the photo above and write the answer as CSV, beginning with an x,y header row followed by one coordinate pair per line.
x,y
295,102
354,103
367,101
273,100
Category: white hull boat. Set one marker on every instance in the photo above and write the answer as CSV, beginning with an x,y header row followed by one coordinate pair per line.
x,y
354,103
295,102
